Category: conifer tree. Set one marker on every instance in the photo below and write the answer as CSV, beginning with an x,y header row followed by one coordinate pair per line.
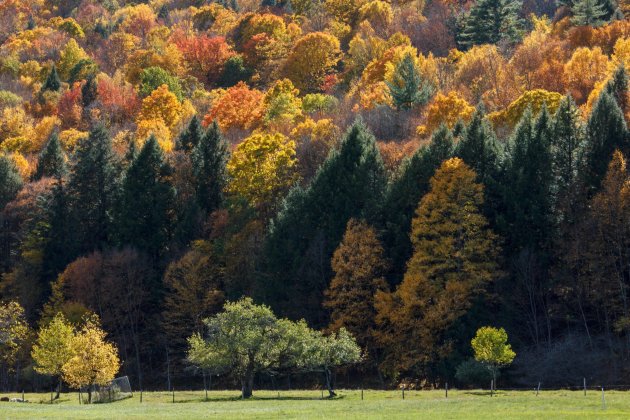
x,y
491,21
52,160
605,131
359,266
588,13
618,87
308,228
454,258
147,202
89,91
92,188
209,158
403,195
53,82
10,181
408,89
191,136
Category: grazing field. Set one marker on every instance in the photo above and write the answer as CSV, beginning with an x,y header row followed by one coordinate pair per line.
x,y
348,405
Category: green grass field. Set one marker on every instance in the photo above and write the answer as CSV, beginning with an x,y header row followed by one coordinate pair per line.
x,y
308,404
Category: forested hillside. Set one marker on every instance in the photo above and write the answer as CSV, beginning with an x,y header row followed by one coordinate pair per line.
x,y
410,170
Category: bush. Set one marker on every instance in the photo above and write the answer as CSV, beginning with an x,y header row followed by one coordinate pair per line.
x,y
473,373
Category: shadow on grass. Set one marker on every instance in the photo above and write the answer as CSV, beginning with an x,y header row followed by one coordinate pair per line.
x,y
482,393
255,398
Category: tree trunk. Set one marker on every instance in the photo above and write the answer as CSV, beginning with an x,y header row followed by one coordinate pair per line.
x,y
247,383
89,394
331,392
58,389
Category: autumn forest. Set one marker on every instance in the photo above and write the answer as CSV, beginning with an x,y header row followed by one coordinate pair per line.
x,y
396,172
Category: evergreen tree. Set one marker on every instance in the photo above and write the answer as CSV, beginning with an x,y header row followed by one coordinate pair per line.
x,y
605,131
92,188
403,195
209,158
191,136
618,86
10,181
408,89
588,13
455,256
147,202
309,227
89,91
52,160
491,21
234,71
53,82
59,248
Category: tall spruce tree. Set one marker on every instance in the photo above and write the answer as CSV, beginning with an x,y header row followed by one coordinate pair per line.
x,y
403,195
605,131
10,181
589,13
191,136
89,91
92,188
147,202
408,88
209,158
309,227
52,160
491,21
618,86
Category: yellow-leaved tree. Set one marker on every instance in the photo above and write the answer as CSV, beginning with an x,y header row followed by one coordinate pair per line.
x,y
94,362
54,348
262,169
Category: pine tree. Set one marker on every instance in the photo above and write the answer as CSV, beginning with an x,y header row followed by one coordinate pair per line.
x,y
53,82
311,223
92,188
234,71
455,257
403,195
59,248
191,136
408,89
359,266
209,158
89,91
588,13
605,131
618,87
52,160
147,202
10,181
491,21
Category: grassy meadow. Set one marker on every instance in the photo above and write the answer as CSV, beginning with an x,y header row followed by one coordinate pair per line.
x,y
307,404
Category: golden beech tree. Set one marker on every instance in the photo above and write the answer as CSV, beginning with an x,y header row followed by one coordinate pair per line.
x,y
53,348
262,168
94,362
161,104
359,265
455,255
446,109
239,107
585,68
313,58
533,100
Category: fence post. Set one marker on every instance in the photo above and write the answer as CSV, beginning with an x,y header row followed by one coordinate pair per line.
x,y
51,395
603,399
361,394
173,395
141,395
403,393
538,389
491,387
585,387
446,389
23,400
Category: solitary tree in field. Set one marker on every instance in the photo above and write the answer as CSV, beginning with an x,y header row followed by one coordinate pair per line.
x,y
492,349
53,348
94,362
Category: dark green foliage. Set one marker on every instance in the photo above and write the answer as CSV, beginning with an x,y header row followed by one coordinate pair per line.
x,y
52,161
53,82
403,196
617,87
473,373
605,131
147,202
89,91
491,21
234,71
191,136
152,78
589,12
528,196
58,248
92,189
10,181
209,158
409,89
84,69
309,227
